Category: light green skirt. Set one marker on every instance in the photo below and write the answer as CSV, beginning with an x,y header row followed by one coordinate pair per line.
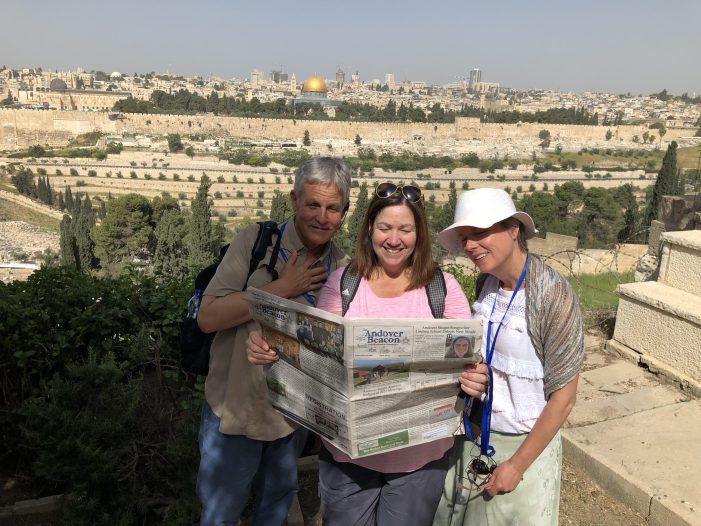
x,y
534,502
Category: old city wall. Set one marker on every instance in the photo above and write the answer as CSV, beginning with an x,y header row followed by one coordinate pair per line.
x,y
22,128
467,128
71,100
283,129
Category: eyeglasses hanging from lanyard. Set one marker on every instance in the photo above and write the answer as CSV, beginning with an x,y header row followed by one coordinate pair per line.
x,y
486,448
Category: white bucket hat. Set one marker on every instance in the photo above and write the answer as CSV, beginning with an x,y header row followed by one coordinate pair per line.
x,y
482,208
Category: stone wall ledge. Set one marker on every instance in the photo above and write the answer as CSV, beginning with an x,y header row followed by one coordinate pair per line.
x,y
663,297
690,239
663,371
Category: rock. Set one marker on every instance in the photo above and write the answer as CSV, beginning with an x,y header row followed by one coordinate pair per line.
x,y
22,240
646,269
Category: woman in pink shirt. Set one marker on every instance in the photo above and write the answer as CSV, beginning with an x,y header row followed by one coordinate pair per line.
x,y
393,257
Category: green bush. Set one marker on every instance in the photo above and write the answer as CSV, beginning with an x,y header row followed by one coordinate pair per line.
x,y
94,403
465,278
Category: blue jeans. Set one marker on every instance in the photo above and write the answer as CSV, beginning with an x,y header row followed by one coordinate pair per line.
x,y
230,465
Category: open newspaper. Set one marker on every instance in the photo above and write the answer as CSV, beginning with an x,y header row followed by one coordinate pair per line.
x,y
367,385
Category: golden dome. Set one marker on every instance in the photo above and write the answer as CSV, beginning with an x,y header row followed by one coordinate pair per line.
x,y
314,84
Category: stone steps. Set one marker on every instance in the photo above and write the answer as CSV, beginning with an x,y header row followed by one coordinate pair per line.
x,y
661,320
637,436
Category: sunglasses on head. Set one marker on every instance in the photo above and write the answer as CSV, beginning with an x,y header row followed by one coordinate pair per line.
x,y
410,193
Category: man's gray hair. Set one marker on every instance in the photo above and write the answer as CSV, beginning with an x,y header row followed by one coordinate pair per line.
x,y
325,170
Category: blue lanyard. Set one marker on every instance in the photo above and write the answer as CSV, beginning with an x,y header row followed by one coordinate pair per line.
x,y
485,447
310,299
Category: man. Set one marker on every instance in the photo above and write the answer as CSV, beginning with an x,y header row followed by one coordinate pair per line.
x,y
244,442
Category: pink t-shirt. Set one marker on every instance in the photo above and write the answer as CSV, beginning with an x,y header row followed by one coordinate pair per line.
x,y
412,304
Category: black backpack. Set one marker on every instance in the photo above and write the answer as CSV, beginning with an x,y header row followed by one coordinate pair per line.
x,y
435,291
195,344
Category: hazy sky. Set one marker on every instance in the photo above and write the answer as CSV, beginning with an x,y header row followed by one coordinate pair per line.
x,y
615,46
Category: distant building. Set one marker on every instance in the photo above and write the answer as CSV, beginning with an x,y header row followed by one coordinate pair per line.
x,y
486,87
256,77
355,79
340,78
314,88
314,91
278,76
475,77
389,79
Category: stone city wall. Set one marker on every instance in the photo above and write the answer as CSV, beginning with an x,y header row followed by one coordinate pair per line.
x,y
552,245
22,128
72,100
282,129
467,128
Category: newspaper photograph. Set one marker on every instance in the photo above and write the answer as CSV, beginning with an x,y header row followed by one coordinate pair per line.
x,y
367,385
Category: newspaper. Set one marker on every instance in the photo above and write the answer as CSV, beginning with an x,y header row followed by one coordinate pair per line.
x,y
366,385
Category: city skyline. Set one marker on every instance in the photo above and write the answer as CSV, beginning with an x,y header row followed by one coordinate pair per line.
x,y
638,47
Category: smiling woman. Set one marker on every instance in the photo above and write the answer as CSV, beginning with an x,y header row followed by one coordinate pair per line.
x,y
394,262
533,345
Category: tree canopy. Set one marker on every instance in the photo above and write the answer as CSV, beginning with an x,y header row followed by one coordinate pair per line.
x,y
126,232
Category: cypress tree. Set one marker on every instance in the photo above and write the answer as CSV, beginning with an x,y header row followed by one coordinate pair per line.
x,y
41,190
201,248
69,199
280,207
85,248
49,193
68,249
356,218
625,197
77,205
666,184
170,255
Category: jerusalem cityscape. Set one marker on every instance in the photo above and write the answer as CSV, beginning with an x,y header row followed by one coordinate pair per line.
x,y
132,159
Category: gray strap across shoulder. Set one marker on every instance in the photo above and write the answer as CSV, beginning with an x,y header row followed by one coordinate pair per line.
x,y
435,291
349,286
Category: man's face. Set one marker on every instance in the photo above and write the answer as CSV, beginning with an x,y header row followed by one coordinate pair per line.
x,y
318,213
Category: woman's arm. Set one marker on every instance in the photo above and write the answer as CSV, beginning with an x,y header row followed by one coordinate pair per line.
x,y
508,474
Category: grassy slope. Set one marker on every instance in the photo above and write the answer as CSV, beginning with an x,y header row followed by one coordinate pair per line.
x,y
10,211
597,291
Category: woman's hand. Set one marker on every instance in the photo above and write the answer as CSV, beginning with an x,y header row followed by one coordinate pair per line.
x,y
474,379
504,479
258,351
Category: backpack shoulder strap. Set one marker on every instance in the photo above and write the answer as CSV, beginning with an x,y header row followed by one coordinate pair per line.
x,y
263,240
436,292
349,286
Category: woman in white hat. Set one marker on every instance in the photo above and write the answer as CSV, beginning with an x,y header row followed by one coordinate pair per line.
x,y
533,343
